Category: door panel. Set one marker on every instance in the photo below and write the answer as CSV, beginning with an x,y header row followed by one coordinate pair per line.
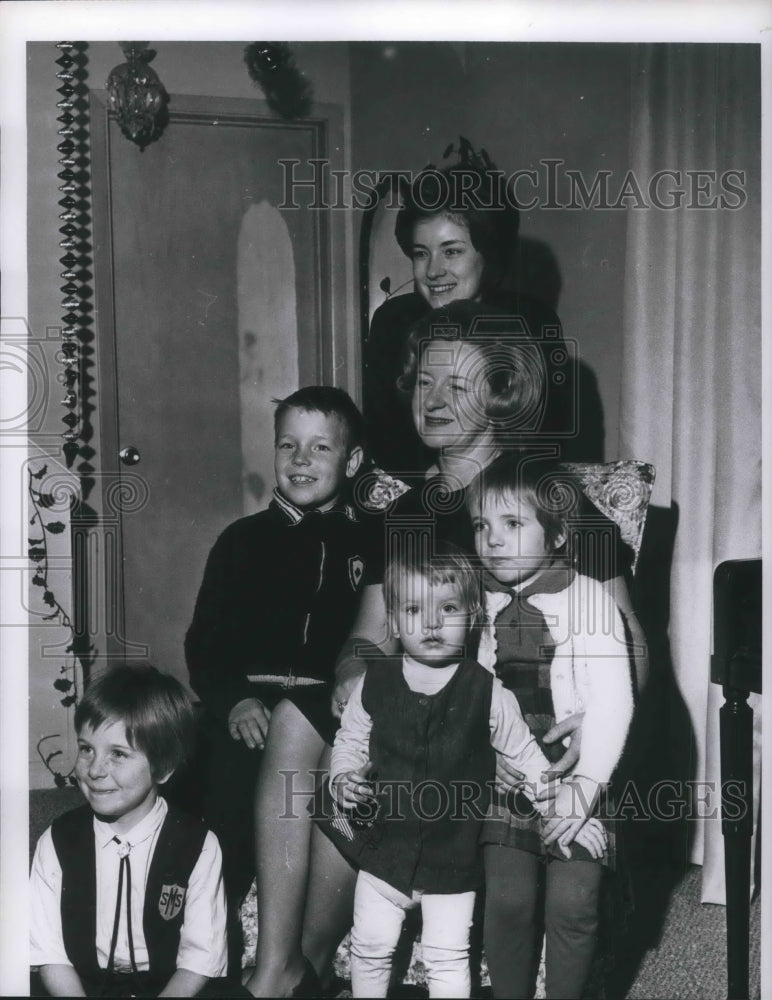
x,y
187,342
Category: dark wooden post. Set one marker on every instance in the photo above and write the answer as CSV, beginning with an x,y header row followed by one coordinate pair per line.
x,y
736,665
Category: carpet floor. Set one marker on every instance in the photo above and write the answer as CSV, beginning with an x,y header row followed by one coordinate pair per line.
x,y
680,944
687,961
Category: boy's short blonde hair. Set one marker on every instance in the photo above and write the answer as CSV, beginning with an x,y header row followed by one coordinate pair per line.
x,y
438,563
154,708
331,402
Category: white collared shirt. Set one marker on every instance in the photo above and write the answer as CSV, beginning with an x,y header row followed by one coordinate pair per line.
x,y
202,947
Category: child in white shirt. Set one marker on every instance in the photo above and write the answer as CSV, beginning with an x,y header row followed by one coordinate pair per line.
x,y
126,891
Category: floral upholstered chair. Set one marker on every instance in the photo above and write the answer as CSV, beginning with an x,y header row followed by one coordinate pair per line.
x,y
621,491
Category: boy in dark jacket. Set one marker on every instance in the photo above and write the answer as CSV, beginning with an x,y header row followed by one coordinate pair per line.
x,y
279,595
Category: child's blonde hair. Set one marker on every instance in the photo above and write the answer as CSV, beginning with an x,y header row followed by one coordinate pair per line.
x,y
437,563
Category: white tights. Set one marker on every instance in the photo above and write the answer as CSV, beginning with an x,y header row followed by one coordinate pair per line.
x,y
379,911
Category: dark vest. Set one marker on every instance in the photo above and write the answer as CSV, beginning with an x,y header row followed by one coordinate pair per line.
x,y
176,852
525,650
436,751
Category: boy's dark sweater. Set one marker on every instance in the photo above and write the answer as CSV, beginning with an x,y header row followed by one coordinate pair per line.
x,y
279,597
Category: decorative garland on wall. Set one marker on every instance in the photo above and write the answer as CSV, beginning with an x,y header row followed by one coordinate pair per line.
x,y
66,683
74,230
74,357
69,231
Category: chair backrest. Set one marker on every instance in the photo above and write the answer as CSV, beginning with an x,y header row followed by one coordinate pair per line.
x,y
621,491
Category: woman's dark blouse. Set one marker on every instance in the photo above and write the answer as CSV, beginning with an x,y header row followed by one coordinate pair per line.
x,y
572,418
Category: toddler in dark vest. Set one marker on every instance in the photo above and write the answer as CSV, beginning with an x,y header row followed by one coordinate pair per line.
x,y
126,891
412,768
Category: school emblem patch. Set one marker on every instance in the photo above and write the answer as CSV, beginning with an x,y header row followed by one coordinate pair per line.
x,y
356,568
170,901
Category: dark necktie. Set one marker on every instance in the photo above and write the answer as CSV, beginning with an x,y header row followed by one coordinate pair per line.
x,y
125,865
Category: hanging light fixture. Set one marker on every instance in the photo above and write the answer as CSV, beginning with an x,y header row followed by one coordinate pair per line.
x,y
271,65
137,96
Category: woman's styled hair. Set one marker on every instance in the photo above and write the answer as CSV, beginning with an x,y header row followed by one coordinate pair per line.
x,y
330,401
154,708
415,554
472,195
510,360
550,490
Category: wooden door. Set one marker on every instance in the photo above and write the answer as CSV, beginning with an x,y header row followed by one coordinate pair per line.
x,y
210,300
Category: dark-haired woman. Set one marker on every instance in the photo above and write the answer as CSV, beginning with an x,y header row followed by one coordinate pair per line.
x,y
461,234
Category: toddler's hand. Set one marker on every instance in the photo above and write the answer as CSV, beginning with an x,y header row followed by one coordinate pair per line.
x,y
352,788
248,721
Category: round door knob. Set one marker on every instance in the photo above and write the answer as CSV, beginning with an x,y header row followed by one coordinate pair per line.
x,y
129,455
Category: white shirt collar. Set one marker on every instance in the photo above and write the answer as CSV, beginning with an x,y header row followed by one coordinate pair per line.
x,y
104,833
412,669
296,515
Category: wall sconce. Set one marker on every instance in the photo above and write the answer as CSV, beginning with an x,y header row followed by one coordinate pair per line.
x,y
137,96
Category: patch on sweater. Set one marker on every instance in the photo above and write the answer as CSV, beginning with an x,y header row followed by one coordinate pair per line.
x,y
356,568
171,901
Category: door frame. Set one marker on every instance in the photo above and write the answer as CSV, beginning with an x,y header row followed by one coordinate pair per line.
x,y
98,569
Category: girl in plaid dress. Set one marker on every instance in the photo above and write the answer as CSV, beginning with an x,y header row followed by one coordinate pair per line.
x,y
556,639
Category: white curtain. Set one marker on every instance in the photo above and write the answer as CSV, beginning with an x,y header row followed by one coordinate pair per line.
x,y
691,388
